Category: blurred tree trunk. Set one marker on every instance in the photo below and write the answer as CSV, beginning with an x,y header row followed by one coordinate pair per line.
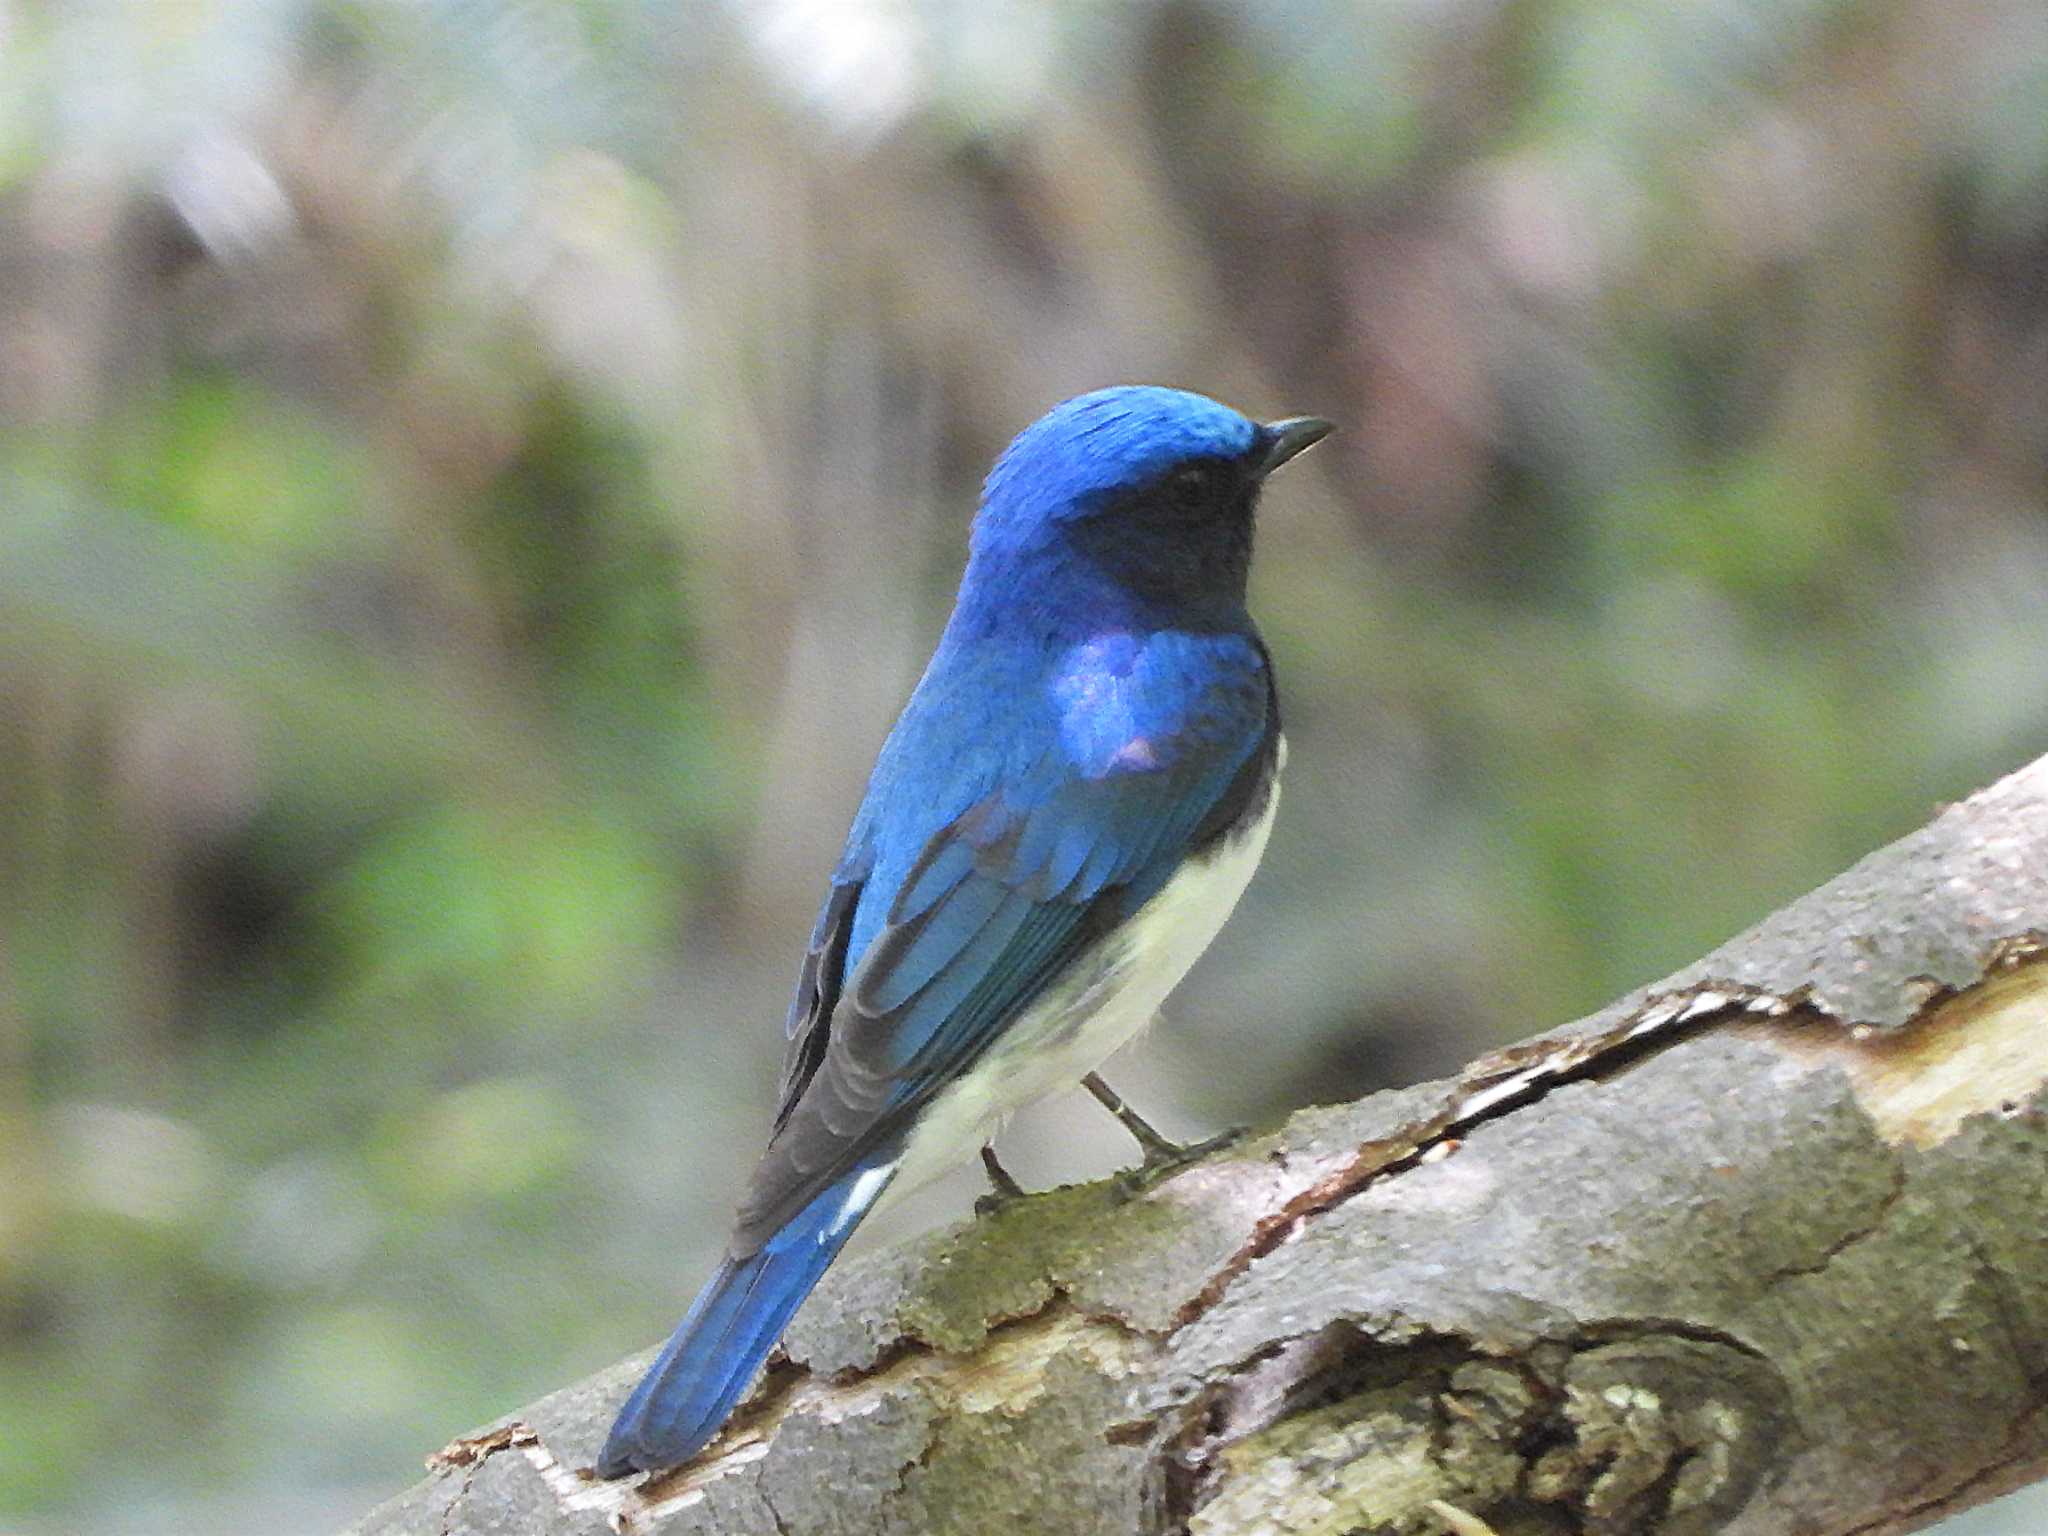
x,y
1758,1250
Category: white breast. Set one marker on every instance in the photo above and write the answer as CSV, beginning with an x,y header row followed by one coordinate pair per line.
x,y
1105,999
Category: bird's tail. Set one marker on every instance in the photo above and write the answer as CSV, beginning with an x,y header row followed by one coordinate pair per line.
x,y
733,1324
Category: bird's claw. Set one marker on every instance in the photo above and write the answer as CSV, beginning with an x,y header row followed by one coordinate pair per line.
x,y
1163,1159
1003,1190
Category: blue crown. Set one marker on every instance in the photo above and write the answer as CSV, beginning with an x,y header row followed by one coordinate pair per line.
x,y
1095,445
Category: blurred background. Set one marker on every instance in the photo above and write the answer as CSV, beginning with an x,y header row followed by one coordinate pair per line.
x,y
476,482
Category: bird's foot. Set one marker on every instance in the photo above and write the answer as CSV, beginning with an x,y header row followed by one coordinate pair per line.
x,y
1003,1190
1164,1158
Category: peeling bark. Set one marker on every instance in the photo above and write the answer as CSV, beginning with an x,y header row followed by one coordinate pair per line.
x,y
1755,1252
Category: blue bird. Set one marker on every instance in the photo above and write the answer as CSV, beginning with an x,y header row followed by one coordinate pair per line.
x,y
1065,813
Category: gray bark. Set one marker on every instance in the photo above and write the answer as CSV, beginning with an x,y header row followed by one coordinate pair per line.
x,y
1757,1250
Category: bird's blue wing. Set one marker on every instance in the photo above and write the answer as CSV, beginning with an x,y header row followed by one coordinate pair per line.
x,y
927,950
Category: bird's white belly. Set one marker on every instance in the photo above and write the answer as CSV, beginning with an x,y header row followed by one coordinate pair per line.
x,y
1103,1001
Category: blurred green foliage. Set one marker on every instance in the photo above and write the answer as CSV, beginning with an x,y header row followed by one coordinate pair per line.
x,y
476,482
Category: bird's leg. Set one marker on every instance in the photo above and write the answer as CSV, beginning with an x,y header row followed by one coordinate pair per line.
x,y
1002,1188
1163,1156
1155,1146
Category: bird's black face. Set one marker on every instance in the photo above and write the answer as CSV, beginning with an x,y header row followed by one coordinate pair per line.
x,y
1181,541
1184,540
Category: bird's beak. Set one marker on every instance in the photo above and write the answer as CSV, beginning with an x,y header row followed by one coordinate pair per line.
x,y
1284,439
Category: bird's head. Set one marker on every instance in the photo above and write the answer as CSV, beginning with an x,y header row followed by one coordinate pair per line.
x,y
1151,490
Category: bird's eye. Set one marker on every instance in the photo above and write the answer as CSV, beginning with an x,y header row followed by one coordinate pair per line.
x,y
1189,487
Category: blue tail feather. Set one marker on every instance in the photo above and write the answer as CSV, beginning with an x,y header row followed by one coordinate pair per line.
x,y
735,1321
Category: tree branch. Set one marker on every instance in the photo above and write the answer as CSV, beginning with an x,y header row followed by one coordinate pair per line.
x,y
1759,1250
